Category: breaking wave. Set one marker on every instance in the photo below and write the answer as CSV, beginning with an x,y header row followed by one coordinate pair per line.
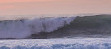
x,y
26,27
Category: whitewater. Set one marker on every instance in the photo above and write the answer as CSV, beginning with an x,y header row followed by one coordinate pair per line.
x,y
85,43
23,28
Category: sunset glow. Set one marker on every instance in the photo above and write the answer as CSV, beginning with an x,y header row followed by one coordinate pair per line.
x,y
13,1
32,7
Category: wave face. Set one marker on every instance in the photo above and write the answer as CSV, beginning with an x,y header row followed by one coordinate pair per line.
x,y
88,43
24,28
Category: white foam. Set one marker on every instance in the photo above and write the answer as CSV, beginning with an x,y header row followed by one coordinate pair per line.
x,y
85,43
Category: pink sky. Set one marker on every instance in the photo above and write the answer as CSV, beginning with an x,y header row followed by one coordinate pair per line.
x,y
35,7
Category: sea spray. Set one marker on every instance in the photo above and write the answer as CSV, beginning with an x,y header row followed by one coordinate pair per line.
x,y
24,28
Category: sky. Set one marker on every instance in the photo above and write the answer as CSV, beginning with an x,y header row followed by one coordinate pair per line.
x,y
36,7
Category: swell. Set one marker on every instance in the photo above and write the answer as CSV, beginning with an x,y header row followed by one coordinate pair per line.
x,y
96,26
